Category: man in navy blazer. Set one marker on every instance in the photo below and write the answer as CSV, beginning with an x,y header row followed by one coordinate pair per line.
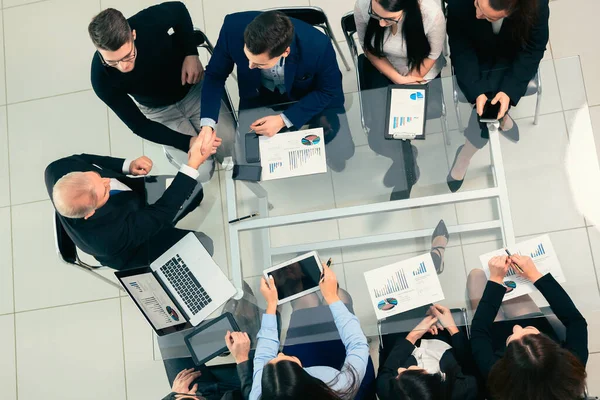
x,y
279,60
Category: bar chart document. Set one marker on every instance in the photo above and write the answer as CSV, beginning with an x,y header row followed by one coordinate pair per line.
x,y
543,255
292,154
403,286
406,112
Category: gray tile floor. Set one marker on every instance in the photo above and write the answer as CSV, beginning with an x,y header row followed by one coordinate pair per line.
x,y
64,335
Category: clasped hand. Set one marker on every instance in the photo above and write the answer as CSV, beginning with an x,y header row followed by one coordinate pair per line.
x,y
203,146
140,166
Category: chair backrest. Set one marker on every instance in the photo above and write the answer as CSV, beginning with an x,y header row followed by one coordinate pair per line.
x,y
349,29
349,24
314,16
64,245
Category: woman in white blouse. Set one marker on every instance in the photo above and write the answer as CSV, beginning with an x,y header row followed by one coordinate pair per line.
x,y
403,43
402,39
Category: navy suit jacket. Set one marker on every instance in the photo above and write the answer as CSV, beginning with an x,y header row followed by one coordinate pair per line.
x,y
312,75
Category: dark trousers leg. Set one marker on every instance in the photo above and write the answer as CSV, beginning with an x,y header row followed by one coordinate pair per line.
x,y
403,173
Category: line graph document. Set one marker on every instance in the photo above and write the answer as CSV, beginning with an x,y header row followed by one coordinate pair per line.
x,y
543,255
292,154
403,286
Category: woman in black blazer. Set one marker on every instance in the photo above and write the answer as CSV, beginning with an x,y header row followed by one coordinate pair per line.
x,y
428,362
522,359
496,47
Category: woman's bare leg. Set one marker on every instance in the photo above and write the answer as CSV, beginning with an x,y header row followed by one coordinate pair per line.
x,y
476,282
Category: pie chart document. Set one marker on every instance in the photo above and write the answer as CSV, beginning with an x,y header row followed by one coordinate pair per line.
x,y
291,154
403,286
542,253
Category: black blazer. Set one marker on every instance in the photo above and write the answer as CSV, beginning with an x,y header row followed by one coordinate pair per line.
x,y
122,227
244,372
475,48
465,386
482,340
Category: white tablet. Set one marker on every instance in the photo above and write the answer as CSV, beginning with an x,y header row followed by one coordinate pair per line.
x,y
296,277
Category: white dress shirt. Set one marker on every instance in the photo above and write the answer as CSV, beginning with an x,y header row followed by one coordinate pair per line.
x,y
429,354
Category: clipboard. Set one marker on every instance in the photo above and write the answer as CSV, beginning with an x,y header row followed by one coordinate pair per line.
x,y
406,111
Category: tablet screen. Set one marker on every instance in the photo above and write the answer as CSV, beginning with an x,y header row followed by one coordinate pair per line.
x,y
210,340
296,277
153,300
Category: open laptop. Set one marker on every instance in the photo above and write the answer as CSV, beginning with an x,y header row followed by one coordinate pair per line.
x,y
180,288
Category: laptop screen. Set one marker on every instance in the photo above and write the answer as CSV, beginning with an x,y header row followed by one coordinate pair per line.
x,y
154,302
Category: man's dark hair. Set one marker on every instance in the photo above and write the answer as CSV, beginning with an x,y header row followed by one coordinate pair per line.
x,y
109,30
270,32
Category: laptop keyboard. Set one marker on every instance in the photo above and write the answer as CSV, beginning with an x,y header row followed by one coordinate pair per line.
x,y
186,285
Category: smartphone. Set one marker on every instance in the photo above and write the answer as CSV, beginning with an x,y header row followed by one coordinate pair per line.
x,y
252,148
247,172
490,112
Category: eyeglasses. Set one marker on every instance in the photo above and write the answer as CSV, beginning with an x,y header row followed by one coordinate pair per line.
x,y
128,58
378,17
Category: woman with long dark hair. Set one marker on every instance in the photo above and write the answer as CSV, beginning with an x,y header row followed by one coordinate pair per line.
x,y
496,47
281,376
524,358
431,362
403,42
402,39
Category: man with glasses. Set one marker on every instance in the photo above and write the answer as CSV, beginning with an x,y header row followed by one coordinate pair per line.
x,y
151,57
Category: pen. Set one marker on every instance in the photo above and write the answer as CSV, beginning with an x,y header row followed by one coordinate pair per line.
x,y
514,265
243,218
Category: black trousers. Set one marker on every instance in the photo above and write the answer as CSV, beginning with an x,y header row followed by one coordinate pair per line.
x,y
333,120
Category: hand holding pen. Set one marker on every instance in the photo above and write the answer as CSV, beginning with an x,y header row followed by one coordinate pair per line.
x,y
329,285
513,265
527,268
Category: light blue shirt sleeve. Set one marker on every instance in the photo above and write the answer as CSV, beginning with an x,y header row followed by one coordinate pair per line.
x,y
355,342
287,122
208,122
266,349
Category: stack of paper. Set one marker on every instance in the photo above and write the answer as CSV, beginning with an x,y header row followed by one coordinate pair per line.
x,y
403,286
543,255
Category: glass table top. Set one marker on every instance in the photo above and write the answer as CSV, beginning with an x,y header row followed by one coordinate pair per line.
x,y
380,200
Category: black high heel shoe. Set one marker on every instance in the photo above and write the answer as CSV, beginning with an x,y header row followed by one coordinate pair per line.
x,y
436,254
455,184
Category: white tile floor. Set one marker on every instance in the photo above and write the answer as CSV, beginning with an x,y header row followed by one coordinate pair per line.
x,y
65,335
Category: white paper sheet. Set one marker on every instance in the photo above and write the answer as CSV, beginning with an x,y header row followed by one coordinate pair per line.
x,y
292,154
403,286
543,255
407,112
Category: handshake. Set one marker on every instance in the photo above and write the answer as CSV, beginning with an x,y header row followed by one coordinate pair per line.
x,y
202,147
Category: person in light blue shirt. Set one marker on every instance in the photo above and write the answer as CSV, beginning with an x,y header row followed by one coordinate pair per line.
x,y
277,375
